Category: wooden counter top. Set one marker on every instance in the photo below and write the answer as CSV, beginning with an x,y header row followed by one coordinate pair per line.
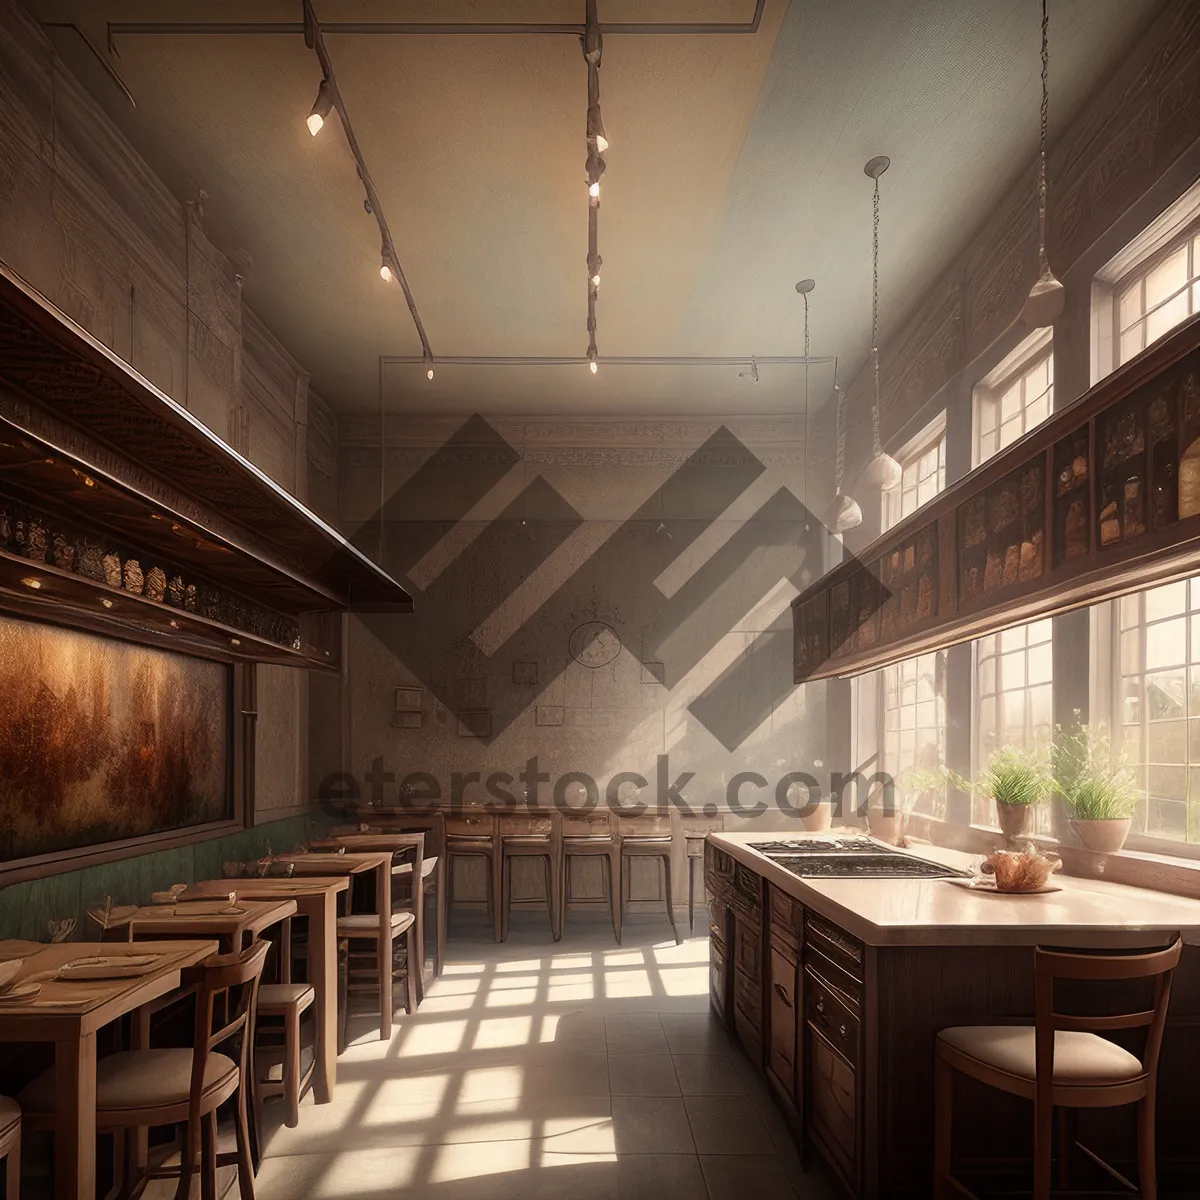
x,y
934,912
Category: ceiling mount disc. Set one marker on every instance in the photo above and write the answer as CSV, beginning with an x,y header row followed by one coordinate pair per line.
x,y
877,166
805,286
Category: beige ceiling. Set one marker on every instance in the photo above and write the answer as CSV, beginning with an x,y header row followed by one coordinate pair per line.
x,y
735,168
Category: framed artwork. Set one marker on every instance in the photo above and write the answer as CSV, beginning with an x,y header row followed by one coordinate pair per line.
x,y
104,741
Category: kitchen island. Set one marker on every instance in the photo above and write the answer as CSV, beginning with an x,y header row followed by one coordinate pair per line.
x,y
836,989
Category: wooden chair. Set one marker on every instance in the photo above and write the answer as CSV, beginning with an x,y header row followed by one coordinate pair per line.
x,y
1062,1062
287,1002
535,834
363,966
10,1146
140,1089
473,835
650,837
592,835
433,868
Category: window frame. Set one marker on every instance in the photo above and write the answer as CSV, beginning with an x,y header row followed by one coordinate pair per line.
x,y
1033,350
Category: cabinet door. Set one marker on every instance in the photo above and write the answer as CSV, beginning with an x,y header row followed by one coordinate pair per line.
x,y
781,1050
832,1108
718,979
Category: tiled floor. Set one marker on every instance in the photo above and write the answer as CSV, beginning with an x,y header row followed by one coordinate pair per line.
x,y
581,1070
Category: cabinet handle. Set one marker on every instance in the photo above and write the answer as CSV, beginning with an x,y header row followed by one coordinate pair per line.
x,y
783,994
843,1031
821,1007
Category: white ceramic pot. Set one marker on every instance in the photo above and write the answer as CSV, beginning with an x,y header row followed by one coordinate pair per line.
x,y
1104,837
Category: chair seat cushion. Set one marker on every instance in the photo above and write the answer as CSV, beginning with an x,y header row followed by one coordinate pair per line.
x,y
10,1113
1080,1059
137,1079
274,998
367,924
428,866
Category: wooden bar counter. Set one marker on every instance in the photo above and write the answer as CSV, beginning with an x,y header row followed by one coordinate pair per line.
x,y
836,990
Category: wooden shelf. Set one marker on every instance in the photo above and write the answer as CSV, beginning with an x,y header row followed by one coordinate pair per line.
x,y
90,410
1100,500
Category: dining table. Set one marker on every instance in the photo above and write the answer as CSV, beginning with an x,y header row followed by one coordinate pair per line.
x,y
324,863
236,925
316,899
69,1013
397,843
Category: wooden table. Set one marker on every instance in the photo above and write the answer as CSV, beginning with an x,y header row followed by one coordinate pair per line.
x,y
69,1015
357,864
395,843
204,919
315,897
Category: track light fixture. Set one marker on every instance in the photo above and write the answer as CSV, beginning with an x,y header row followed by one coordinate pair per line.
x,y
385,267
321,109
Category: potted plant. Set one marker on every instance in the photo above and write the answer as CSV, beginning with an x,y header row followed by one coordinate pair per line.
x,y
1097,787
888,808
1017,781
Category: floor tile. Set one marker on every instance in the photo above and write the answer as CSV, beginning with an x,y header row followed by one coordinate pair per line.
x,y
635,1033
708,1075
651,1125
746,1177
727,1125
642,1075
695,1033
659,1177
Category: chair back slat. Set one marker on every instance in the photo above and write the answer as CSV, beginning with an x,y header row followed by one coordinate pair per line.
x,y
587,825
1096,1024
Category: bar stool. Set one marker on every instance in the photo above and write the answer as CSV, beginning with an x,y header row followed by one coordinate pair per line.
x,y
10,1146
537,835
650,837
592,835
140,1089
288,1001
473,835
1061,1061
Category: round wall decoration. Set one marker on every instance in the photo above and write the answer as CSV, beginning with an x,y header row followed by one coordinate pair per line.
x,y
594,644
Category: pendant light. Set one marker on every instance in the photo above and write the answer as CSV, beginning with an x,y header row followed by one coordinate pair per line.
x,y
803,287
844,513
1046,298
883,470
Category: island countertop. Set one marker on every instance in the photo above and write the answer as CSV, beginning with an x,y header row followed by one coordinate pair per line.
x,y
935,912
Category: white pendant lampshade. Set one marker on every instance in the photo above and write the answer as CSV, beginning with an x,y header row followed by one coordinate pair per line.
x,y
844,514
883,472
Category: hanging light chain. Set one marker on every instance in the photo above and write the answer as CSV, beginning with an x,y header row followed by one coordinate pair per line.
x,y
593,50
1043,261
876,446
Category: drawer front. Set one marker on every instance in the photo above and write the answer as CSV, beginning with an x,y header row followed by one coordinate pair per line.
x,y
718,872
481,826
717,922
826,937
781,1046
787,919
747,999
747,888
827,1011
747,949
832,1104
750,1038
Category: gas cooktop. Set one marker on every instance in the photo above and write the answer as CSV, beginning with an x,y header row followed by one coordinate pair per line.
x,y
850,857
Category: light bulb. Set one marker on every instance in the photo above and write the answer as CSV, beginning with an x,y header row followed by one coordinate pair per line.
x,y
595,281
429,373
385,273
321,109
593,366
594,190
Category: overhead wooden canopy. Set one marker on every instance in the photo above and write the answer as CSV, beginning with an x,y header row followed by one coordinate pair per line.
x,y
87,441
1100,500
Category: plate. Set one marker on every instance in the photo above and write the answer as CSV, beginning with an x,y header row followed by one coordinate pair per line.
x,y
19,993
118,966
987,886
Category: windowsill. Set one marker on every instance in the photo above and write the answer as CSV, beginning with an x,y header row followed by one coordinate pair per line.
x,y
1134,867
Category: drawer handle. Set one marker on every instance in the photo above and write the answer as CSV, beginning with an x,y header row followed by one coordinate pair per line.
x,y
821,1007
782,991
843,1031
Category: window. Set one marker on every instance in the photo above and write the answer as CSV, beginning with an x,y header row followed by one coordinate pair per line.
x,y
923,466
1014,696
913,692
1015,397
1157,296
1148,644
1157,661
1013,669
